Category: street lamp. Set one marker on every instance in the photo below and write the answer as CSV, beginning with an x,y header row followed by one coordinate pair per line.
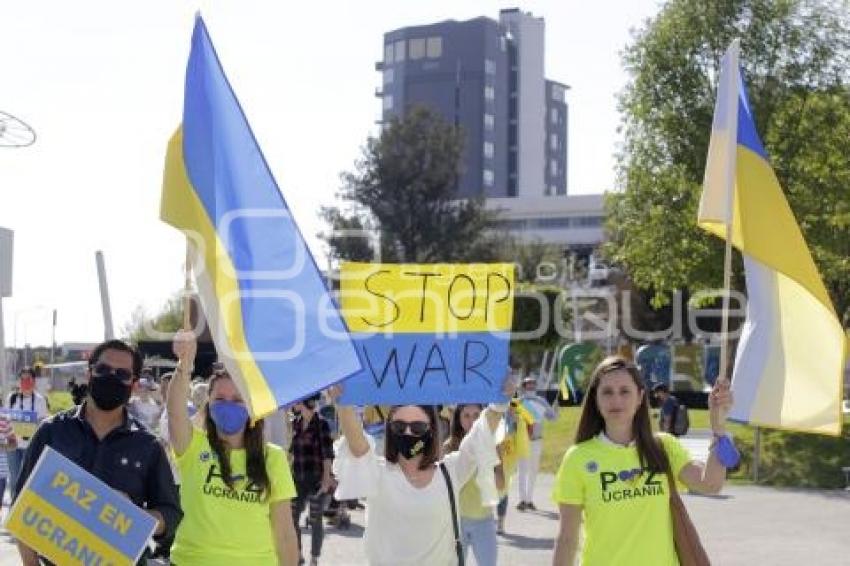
x,y
19,312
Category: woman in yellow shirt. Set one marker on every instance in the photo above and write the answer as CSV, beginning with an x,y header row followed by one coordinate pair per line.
x,y
614,478
477,527
235,488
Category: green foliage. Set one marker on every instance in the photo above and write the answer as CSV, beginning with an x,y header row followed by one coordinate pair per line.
x,y
59,401
795,56
404,185
528,256
529,318
168,319
788,459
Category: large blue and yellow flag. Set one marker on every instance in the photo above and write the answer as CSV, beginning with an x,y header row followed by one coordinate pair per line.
x,y
275,326
790,359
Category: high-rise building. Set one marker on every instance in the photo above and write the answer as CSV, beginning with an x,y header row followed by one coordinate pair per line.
x,y
487,77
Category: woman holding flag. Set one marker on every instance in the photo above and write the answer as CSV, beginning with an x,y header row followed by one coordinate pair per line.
x,y
615,477
235,487
411,492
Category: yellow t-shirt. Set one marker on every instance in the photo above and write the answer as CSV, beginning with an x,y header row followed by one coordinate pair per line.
x,y
626,510
223,527
470,502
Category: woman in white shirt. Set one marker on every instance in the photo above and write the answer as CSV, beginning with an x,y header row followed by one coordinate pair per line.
x,y
408,511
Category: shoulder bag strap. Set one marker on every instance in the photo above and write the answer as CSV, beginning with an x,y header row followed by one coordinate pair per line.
x,y
458,545
689,548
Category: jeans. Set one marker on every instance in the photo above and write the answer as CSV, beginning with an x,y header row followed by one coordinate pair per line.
x,y
481,535
2,490
309,497
16,460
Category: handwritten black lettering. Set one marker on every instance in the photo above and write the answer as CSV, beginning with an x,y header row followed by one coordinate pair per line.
x,y
473,367
490,292
471,294
424,276
377,294
429,368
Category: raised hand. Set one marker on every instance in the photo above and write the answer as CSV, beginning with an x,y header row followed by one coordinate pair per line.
x,y
719,403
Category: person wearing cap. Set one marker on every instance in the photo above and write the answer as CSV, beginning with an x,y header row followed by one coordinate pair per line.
x,y
143,406
528,467
26,399
668,404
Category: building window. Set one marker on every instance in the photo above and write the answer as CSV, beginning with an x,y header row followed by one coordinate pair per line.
x,y
488,150
553,167
558,93
435,47
399,51
388,102
389,75
417,48
552,223
488,177
489,122
489,67
553,190
388,53
489,93
554,115
553,142
589,221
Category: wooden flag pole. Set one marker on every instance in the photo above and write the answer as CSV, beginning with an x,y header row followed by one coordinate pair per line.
x,y
186,365
187,288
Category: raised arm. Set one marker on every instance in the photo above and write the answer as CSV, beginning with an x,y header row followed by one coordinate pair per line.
x,y
710,477
495,411
179,425
351,426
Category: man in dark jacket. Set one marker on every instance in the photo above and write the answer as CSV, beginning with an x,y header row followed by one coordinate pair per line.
x,y
101,437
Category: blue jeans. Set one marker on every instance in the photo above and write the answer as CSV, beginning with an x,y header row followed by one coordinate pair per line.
x,y
481,535
16,460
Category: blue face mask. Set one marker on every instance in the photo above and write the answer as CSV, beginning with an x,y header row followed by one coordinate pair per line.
x,y
229,417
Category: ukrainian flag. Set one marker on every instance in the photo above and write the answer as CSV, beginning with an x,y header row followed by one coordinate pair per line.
x,y
790,358
277,330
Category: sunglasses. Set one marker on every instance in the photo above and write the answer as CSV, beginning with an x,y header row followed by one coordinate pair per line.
x,y
416,428
105,370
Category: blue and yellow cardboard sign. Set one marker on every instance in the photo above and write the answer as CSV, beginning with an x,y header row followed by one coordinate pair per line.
x,y
23,423
69,516
428,334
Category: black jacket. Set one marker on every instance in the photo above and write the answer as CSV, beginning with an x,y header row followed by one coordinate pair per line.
x,y
128,459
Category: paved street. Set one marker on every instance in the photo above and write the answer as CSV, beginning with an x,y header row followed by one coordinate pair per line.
x,y
745,526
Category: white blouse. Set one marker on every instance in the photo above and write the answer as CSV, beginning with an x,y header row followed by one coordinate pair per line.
x,y
406,525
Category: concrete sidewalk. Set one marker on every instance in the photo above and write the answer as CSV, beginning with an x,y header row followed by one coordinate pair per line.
x,y
745,526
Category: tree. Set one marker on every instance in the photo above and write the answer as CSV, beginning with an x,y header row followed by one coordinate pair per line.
x,y
795,56
404,187
168,319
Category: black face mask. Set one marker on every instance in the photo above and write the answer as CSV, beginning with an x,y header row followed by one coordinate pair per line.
x,y
410,446
108,392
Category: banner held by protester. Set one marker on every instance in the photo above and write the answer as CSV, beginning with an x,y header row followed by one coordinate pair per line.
x,y
69,516
428,334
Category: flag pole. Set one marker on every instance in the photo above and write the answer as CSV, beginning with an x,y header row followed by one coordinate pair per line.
x,y
187,303
727,261
187,288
